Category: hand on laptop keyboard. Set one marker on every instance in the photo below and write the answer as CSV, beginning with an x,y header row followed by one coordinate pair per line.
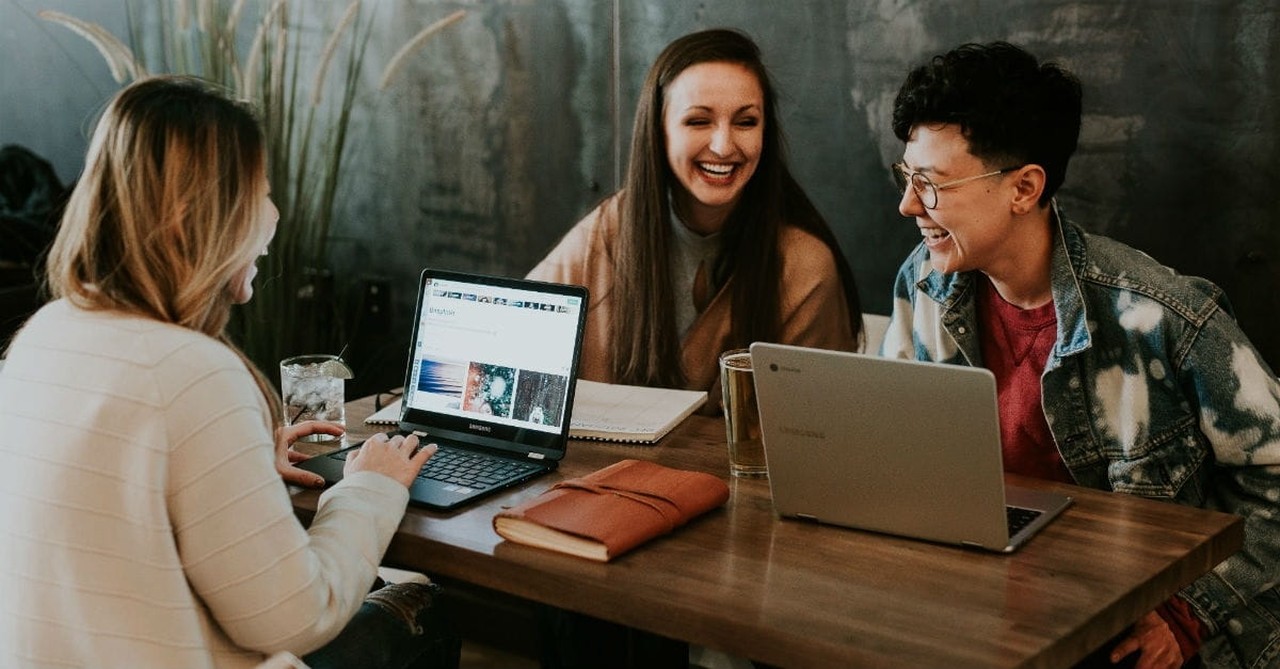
x,y
398,457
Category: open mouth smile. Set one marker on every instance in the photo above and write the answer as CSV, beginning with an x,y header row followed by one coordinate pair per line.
x,y
717,171
933,236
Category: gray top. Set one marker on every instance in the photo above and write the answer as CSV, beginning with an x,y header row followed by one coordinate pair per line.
x,y
688,250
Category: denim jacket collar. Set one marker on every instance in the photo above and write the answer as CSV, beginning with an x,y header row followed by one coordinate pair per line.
x,y
950,290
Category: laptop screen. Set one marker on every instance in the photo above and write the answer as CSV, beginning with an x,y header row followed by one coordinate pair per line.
x,y
495,358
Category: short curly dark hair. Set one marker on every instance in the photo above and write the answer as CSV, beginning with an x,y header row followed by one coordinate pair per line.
x,y
1012,108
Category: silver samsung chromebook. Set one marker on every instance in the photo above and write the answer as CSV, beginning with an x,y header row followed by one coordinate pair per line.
x,y
895,446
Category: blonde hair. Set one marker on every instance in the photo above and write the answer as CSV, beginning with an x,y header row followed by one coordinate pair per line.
x,y
166,212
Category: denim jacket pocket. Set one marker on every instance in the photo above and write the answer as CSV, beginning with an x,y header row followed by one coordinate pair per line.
x,y
1161,466
1252,634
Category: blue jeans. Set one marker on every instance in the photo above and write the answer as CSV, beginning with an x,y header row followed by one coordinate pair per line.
x,y
399,626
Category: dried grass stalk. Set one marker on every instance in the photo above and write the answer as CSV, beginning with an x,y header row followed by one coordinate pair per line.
x,y
204,15
119,58
182,15
416,43
281,45
248,85
317,87
227,46
233,21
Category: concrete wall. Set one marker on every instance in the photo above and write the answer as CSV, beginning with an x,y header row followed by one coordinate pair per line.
x,y
510,126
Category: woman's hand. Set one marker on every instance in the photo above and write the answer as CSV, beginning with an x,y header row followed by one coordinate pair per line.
x,y
286,456
398,457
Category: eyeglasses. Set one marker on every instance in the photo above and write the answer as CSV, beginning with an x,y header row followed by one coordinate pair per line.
x,y
926,189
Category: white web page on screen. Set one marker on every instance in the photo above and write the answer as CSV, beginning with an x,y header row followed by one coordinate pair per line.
x,y
499,354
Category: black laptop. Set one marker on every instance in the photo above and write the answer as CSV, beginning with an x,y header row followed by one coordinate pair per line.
x,y
492,368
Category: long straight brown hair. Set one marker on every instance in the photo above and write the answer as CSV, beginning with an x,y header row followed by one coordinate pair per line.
x,y
645,340
166,212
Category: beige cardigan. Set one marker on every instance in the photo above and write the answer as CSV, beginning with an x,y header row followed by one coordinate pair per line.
x,y
814,311
144,523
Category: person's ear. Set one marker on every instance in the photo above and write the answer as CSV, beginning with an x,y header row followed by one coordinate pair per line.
x,y
1028,186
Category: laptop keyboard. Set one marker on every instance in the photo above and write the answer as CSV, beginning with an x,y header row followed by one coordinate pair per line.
x,y
472,470
1019,518
465,468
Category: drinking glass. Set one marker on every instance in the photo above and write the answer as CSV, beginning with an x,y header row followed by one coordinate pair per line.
x,y
741,415
313,389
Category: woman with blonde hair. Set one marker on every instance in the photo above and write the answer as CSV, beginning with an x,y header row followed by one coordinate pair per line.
x,y
146,523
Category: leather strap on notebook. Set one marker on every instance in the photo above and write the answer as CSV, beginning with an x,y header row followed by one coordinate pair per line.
x,y
669,511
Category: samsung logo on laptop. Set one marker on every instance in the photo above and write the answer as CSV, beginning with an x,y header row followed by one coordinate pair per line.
x,y
482,428
802,432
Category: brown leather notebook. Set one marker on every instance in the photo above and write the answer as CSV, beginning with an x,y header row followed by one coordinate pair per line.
x,y
611,511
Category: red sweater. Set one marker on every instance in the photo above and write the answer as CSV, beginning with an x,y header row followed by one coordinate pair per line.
x,y
1015,346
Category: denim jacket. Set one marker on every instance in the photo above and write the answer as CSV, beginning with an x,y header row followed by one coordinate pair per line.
x,y
1151,389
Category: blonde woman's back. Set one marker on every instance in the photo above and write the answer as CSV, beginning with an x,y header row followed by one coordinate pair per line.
x,y
139,496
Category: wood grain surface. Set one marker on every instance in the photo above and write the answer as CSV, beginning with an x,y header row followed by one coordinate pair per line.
x,y
798,594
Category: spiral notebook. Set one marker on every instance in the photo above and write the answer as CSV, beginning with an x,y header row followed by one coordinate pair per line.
x,y
632,414
387,415
609,412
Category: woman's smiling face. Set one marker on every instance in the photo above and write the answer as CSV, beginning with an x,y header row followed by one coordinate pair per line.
x,y
713,119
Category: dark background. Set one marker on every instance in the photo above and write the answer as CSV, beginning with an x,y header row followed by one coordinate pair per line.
x,y
505,130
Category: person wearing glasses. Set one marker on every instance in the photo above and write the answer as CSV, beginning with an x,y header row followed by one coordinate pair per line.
x,y
1113,372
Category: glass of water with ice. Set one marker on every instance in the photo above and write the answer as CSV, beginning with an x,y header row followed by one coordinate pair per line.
x,y
312,387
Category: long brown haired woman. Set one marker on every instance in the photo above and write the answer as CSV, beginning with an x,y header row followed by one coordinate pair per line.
x,y
710,244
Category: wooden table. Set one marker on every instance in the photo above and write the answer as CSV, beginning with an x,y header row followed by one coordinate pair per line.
x,y
796,594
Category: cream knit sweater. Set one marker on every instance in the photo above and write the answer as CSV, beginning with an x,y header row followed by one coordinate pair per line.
x,y
142,522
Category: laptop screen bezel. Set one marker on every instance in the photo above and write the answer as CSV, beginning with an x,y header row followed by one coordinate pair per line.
x,y
473,430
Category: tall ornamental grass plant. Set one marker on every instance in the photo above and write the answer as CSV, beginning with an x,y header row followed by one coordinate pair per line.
x,y
305,90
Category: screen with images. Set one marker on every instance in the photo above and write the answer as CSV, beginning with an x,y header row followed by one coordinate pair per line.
x,y
499,354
